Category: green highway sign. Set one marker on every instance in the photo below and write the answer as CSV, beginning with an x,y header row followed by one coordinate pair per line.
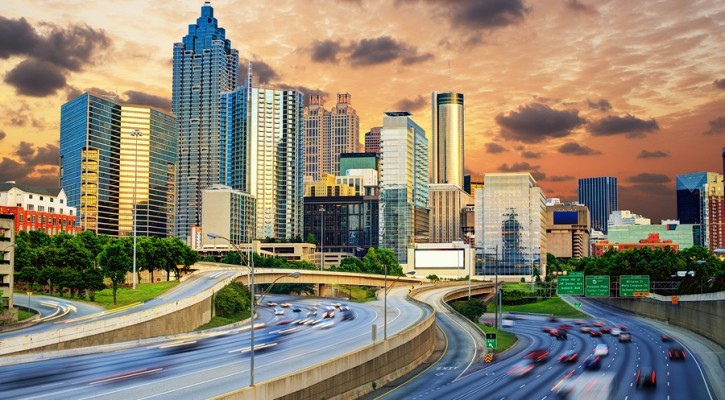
x,y
575,273
570,284
597,286
491,341
633,285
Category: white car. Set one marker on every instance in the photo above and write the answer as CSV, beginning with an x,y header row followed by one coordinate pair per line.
x,y
615,332
278,311
601,350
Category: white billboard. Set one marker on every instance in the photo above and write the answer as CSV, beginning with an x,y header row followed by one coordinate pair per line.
x,y
439,258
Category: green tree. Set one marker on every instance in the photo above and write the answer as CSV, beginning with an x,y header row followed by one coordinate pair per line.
x,y
311,238
29,275
472,309
350,264
92,281
378,261
115,262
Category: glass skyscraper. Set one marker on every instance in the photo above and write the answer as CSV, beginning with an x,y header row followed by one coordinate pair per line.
x,y
113,154
204,66
601,195
510,226
404,195
447,139
691,201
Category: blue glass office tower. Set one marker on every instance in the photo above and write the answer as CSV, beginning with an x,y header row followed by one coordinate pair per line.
x,y
205,65
601,195
690,201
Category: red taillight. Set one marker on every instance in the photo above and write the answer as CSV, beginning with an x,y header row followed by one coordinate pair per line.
x,y
653,377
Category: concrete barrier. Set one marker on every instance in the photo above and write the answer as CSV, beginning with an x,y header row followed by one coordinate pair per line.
x,y
706,318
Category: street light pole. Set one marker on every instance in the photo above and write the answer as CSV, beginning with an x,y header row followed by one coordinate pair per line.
x,y
322,236
136,134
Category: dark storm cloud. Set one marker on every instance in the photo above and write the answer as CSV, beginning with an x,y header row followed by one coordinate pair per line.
x,y
719,83
3,135
325,51
384,50
530,154
411,104
35,78
146,99
560,178
48,58
32,157
261,72
576,149
536,122
307,92
524,167
578,6
72,92
494,148
645,154
487,14
11,170
628,125
601,105
647,178
717,125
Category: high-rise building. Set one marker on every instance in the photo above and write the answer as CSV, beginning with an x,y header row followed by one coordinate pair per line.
x,y
112,155
601,195
7,261
372,140
327,134
447,139
446,217
404,184
471,183
690,201
204,66
510,226
713,215
226,213
350,161
567,230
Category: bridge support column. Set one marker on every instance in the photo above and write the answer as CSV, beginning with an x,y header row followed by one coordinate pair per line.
x,y
324,290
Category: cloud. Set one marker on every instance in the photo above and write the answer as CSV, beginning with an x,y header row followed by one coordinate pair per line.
x,y
576,5
494,148
383,50
411,105
261,72
647,178
628,125
523,167
35,78
576,149
325,51
601,105
32,157
72,92
537,122
48,57
11,170
141,98
531,154
487,14
3,135
560,178
645,154
307,92
717,126
719,83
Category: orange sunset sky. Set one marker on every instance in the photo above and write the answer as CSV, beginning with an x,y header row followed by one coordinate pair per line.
x,y
564,89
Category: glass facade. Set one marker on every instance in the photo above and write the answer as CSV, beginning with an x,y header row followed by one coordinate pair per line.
x,y
510,226
447,139
351,223
601,195
358,161
204,66
403,184
690,201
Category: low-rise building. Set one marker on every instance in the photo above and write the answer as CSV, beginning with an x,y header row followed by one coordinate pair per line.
x,y
35,208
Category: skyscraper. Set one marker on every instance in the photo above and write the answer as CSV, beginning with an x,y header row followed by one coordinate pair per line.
x,y
447,139
113,154
404,184
327,134
372,140
510,225
204,66
692,201
601,195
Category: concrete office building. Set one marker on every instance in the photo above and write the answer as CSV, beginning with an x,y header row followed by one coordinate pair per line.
x,y
446,217
568,230
228,213
372,140
7,261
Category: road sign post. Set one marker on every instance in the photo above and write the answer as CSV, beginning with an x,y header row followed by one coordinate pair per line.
x,y
570,284
634,285
597,286
491,342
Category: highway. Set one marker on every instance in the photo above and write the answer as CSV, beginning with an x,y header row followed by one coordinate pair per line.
x,y
209,365
675,379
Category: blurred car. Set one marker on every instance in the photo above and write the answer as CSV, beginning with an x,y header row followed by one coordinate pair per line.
x,y
615,332
646,377
296,309
595,333
569,356
564,327
605,329
521,368
666,338
312,313
325,325
329,314
285,305
676,353
553,332
348,315
580,322
585,329
625,337
284,321
601,350
553,318
538,355
278,311
271,304
561,335
598,323
592,362
546,329
621,327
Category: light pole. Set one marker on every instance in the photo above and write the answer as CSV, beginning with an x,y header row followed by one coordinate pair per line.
x,y
295,275
385,299
136,134
322,236
699,272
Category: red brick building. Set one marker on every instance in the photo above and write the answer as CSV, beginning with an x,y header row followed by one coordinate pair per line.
x,y
37,209
652,242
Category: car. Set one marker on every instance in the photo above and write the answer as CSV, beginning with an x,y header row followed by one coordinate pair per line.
x,y
621,327
615,332
286,305
564,327
312,313
569,356
592,362
278,311
595,333
601,350
676,353
553,332
271,304
537,355
580,322
605,329
553,318
546,329
585,329
666,338
646,377
296,309
625,337
521,368
284,322
348,315
598,323
561,335
329,314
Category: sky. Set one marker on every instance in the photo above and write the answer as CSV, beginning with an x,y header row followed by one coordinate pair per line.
x,y
563,89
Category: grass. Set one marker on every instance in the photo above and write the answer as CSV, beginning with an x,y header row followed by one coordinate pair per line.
x,y
523,287
222,321
126,296
23,315
553,306
504,340
359,293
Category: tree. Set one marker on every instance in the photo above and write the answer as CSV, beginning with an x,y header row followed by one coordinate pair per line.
x,y
115,263
350,264
378,261
311,238
92,281
471,309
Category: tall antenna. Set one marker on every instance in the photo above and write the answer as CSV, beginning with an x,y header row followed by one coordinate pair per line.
x,y
249,76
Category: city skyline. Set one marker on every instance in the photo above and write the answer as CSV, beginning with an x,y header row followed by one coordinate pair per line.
x,y
564,90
